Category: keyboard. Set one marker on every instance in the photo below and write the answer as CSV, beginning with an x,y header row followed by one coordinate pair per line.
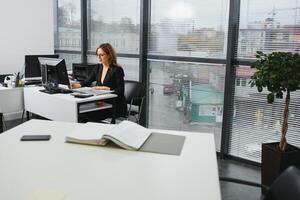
x,y
65,90
57,91
89,90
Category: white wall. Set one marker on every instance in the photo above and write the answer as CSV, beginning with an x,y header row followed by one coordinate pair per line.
x,y
26,27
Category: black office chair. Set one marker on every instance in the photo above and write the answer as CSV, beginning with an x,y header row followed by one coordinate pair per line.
x,y
134,94
286,186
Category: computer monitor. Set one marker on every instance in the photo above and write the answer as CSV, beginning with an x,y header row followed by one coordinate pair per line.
x,y
32,65
54,70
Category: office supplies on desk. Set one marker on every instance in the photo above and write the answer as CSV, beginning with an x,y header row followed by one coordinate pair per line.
x,y
9,81
164,143
35,137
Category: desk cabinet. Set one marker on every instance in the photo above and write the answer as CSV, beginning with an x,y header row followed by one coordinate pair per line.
x,y
62,107
11,101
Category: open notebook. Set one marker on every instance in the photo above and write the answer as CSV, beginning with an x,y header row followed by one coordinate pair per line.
x,y
127,135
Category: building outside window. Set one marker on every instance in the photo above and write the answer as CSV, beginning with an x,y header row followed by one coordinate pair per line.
x,y
187,61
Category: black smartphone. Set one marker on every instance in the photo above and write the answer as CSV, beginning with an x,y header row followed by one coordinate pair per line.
x,y
35,137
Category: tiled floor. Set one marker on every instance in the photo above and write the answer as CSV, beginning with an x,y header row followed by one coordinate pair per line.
x,y
227,168
235,169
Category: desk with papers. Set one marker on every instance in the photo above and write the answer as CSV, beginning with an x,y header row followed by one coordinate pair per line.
x,y
78,172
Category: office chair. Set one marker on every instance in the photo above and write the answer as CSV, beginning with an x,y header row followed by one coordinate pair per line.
x,y
286,186
134,94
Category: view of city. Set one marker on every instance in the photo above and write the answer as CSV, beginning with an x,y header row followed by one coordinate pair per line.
x,y
189,96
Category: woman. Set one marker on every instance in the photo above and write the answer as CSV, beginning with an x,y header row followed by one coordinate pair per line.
x,y
108,75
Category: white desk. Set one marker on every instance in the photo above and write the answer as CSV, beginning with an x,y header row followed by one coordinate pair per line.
x,y
84,172
58,107
11,100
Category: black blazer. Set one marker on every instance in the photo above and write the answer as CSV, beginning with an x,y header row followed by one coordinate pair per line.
x,y
114,79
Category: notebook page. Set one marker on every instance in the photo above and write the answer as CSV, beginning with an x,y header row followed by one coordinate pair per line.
x,y
129,133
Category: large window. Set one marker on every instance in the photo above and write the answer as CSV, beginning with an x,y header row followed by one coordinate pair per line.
x,y
187,96
67,29
116,22
269,25
68,33
190,28
70,59
186,59
129,65
255,121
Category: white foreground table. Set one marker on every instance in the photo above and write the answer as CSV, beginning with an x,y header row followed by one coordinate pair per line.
x,y
83,172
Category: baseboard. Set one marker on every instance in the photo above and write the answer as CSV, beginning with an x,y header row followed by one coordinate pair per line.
x,y
12,116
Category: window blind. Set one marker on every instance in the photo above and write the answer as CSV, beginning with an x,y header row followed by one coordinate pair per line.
x,y
115,22
68,33
189,28
255,121
271,25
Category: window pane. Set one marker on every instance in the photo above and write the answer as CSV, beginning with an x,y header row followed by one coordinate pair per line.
x,y
255,121
270,25
130,66
189,28
187,96
68,33
70,59
115,22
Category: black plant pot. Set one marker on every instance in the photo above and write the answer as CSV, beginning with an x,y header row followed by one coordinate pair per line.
x,y
274,161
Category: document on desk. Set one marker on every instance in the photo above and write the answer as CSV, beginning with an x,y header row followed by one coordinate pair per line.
x,y
90,90
128,135
164,143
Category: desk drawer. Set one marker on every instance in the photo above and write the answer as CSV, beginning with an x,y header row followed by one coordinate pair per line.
x,y
89,107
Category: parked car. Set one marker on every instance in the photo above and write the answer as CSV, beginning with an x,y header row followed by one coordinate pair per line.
x,y
169,89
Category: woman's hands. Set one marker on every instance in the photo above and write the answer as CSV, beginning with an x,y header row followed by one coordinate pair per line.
x,y
75,85
101,88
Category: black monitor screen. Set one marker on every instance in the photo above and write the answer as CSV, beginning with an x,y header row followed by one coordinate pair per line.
x,y
54,70
32,65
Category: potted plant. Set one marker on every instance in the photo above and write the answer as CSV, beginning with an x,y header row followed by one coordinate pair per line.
x,y
279,73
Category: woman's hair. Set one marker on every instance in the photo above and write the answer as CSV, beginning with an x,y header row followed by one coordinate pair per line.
x,y
110,52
